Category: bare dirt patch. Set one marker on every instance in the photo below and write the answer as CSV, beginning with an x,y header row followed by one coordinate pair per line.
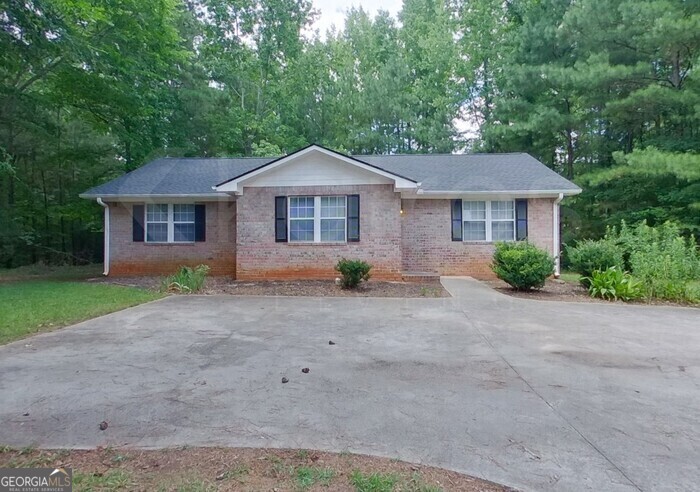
x,y
223,469
311,288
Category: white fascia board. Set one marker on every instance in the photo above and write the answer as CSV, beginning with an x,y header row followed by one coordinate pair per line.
x,y
206,197
423,194
235,185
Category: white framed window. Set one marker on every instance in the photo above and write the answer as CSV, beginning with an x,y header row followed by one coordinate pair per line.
x,y
157,227
474,217
170,223
488,220
503,221
333,218
301,219
317,219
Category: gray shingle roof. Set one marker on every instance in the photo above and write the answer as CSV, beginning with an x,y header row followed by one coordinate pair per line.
x,y
474,172
435,172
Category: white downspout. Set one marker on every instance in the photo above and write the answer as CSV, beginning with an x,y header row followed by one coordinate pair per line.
x,y
106,262
555,235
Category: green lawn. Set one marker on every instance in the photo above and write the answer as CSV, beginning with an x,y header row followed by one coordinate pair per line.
x,y
33,306
46,272
570,277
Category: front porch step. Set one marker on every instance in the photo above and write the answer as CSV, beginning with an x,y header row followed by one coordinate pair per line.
x,y
420,277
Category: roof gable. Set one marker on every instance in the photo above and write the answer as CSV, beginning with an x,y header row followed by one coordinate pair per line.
x,y
315,165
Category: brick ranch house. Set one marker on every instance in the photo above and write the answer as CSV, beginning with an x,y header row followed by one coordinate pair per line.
x,y
295,216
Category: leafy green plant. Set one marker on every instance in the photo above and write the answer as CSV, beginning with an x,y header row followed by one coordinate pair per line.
x,y
613,284
588,256
353,272
187,280
522,265
660,257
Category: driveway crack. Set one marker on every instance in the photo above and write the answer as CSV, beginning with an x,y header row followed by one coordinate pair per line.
x,y
546,402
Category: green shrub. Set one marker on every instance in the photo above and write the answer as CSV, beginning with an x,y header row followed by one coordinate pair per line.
x,y
187,280
522,265
588,256
613,284
353,272
660,257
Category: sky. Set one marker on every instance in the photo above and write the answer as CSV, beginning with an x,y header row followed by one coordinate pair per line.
x,y
333,11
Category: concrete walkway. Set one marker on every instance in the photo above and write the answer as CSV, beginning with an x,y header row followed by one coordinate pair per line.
x,y
534,394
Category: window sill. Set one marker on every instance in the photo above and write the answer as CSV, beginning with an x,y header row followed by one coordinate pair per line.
x,y
310,243
488,242
179,243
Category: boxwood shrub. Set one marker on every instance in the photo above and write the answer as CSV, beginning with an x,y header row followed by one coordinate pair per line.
x,y
353,272
522,265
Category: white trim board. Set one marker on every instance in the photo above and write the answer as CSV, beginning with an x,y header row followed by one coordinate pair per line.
x,y
315,154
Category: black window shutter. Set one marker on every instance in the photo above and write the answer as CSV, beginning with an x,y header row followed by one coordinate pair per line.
x,y
137,223
281,219
353,218
520,219
200,222
457,220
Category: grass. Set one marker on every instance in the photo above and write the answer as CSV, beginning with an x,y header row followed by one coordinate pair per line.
x,y
570,277
34,306
694,291
46,272
307,477
373,482
111,480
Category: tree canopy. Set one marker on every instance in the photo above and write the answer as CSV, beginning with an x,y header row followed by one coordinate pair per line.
x,y
603,91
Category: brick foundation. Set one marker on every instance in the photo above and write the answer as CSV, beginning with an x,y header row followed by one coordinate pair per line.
x,y
139,258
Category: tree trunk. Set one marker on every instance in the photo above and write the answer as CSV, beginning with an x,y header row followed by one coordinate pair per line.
x,y
569,154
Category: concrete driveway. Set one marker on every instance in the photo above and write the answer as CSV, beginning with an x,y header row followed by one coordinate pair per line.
x,y
533,394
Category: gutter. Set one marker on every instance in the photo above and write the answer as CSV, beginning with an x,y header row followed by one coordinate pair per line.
x,y
556,246
107,235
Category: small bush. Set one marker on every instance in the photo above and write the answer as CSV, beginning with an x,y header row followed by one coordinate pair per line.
x,y
522,265
187,280
588,256
613,284
353,272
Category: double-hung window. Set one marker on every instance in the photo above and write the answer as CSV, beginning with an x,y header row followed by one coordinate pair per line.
x,y
170,223
157,229
301,219
333,219
488,220
503,221
317,219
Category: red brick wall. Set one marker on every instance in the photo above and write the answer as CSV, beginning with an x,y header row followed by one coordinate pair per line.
x,y
419,240
427,246
260,257
141,258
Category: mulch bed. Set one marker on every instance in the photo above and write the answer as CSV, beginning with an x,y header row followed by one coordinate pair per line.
x,y
326,288
553,290
560,290
224,469
311,288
